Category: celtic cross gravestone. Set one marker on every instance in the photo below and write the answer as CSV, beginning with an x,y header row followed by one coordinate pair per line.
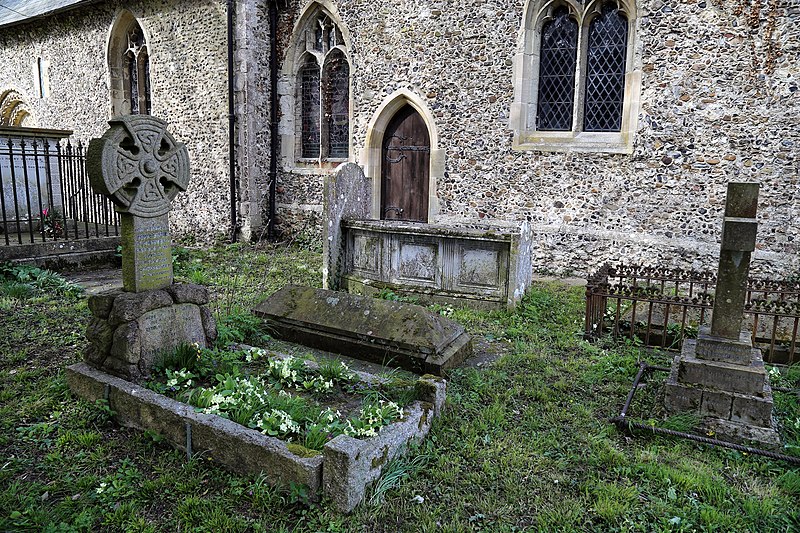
x,y
141,168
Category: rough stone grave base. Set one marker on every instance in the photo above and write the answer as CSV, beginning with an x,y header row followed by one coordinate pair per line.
x,y
734,400
385,332
129,331
342,472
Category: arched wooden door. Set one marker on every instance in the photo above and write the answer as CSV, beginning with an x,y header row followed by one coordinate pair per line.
x,y
405,167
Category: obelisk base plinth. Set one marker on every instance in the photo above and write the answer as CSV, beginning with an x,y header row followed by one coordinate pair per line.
x,y
734,401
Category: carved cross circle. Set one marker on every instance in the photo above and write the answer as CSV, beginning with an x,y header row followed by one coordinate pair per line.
x,y
138,165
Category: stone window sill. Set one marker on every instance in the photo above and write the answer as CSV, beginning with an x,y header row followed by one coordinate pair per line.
x,y
567,141
313,163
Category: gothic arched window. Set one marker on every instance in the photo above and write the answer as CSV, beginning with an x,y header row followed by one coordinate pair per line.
x,y
336,109
557,72
137,86
605,70
129,67
578,86
309,81
323,91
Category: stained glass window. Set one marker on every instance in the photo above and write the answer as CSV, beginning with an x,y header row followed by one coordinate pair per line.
x,y
605,70
337,112
309,88
324,93
557,72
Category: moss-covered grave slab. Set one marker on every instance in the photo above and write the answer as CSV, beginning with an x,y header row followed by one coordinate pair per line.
x,y
341,473
386,332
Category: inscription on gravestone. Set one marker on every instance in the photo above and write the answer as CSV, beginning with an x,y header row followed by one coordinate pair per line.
x,y
141,168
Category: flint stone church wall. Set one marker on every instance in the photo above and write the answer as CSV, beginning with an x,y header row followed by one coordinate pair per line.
x,y
188,73
719,102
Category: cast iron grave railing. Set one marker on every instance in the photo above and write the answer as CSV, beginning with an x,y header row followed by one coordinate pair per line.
x,y
661,306
46,194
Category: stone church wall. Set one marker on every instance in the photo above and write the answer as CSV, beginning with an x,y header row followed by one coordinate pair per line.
x,y
719,102
188,73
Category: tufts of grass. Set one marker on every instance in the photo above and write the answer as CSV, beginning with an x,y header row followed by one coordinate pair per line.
x,y
16,290
238,326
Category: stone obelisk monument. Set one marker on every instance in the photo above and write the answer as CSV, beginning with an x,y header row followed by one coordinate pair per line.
x,y
720,376
140,167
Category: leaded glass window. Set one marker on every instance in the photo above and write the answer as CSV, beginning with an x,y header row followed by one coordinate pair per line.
x,y
582,39
309,114
605,70
323,83
137,86
557,72
337,112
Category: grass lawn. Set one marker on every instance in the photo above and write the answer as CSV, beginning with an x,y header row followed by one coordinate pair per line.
x,y
523,445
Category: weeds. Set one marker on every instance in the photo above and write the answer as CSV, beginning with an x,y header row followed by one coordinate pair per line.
x,y
23,281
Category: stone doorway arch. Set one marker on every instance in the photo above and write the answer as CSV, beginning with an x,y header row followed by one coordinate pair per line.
x,y
14,110
373,153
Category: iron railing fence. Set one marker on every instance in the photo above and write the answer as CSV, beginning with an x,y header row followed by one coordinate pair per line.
x,y
660,307
46,194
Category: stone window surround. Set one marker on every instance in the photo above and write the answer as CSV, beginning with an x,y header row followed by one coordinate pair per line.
x,y
288,91
41,77
526,82
117,45
371,156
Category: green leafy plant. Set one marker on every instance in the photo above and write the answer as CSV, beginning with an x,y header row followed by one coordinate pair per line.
x,y
17,290
237,326
35,277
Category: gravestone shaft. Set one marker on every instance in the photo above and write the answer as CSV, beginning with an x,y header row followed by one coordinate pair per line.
x,y
147,252
738,241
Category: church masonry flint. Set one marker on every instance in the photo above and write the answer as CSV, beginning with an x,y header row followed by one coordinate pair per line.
x,y
709,94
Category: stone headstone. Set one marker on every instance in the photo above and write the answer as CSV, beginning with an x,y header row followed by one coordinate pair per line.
x,y
347,195
725,340
140,167
385,332
720,376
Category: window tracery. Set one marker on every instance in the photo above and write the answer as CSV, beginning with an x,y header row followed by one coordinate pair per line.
x,y
129,67
323,91
578,82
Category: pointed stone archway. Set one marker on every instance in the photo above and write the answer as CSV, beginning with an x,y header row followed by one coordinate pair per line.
x,y
400,106
14,111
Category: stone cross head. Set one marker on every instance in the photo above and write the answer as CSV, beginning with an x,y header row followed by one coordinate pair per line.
x,y
138,165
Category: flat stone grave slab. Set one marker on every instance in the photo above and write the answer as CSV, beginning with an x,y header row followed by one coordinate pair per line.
x,y
386,332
